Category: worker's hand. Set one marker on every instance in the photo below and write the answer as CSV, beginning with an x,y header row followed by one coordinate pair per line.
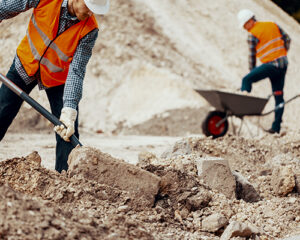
x,y
67,117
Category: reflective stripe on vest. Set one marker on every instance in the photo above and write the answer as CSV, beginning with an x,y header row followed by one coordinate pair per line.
x,y
42,49
267,44
44,60
47,41
270,45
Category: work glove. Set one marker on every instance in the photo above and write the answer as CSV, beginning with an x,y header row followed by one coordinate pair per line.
x,y
67,117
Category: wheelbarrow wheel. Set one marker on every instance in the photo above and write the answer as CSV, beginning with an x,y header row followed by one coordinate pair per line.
x,y
210,125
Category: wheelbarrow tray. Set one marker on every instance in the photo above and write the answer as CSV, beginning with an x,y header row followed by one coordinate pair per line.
x,y
234,104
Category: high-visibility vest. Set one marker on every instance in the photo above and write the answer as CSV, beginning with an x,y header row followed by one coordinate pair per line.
x,y
42,48
270,45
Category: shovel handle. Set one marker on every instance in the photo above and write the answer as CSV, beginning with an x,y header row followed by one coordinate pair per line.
x,y
43,111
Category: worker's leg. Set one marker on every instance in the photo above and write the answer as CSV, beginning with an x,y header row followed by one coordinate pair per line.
x,y
10,102
277,81
63,148
257,74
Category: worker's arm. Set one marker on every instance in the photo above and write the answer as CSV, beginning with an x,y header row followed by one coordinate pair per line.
x,y
11,8
286,38
252,42
73,85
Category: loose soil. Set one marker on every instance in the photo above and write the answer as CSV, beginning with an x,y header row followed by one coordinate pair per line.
x,y
38,203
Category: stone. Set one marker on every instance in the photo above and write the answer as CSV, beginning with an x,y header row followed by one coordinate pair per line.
x,y
244,189
283,180
144,159
217,175
34,158
214,222
238,229
142,185
182,147
297,182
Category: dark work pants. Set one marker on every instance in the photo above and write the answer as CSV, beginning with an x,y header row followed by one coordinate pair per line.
x,y
276,76
10,104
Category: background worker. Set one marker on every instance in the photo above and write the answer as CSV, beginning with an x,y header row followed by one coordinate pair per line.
x,y
53,55
269,43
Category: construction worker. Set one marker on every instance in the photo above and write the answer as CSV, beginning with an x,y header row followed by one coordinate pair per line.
x,y
53,55
269,43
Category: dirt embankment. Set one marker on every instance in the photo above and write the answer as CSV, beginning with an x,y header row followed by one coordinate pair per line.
x,y
150,55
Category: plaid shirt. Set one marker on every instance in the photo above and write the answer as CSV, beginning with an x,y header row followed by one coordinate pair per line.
x,y
279,62
74,81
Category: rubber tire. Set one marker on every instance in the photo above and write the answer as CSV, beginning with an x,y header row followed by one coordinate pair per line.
x,y
207,124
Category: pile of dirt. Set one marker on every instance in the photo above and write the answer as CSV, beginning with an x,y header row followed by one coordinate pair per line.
x,y
77,206
177,122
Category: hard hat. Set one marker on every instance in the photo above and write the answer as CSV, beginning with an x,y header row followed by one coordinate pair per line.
x,y
97,6
244,16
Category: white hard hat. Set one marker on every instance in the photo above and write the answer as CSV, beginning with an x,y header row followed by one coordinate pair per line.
x,y
244,16
97,6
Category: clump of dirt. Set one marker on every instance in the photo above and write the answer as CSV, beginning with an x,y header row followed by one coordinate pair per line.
x,y
180,191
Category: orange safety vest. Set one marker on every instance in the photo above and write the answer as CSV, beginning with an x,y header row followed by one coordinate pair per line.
x,y
43,49
270,45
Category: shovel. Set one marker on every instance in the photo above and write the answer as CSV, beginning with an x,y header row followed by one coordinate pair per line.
x,y
13,87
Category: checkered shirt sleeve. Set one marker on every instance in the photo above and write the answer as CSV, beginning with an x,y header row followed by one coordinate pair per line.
x,y
11,8
77,69
73,85
252,42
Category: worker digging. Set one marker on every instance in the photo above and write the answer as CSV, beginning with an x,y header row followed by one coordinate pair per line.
x,y
53,54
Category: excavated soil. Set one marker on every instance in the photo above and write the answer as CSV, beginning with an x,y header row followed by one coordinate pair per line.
x,y
37,203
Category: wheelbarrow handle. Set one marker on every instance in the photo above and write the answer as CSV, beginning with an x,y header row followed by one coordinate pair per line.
x,y
281,105
43,111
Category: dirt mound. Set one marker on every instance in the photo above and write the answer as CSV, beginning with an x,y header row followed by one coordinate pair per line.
x,y
98,210
66,207
25,218
150,56
177,122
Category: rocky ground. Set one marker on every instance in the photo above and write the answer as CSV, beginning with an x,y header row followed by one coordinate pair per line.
x,y
38,203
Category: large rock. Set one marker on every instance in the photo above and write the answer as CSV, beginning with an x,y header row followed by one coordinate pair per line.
x,y
238,229
94,165
244,189
216,174
283,180
214,222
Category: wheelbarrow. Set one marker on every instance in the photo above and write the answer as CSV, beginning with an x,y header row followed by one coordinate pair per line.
x,y
232,104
